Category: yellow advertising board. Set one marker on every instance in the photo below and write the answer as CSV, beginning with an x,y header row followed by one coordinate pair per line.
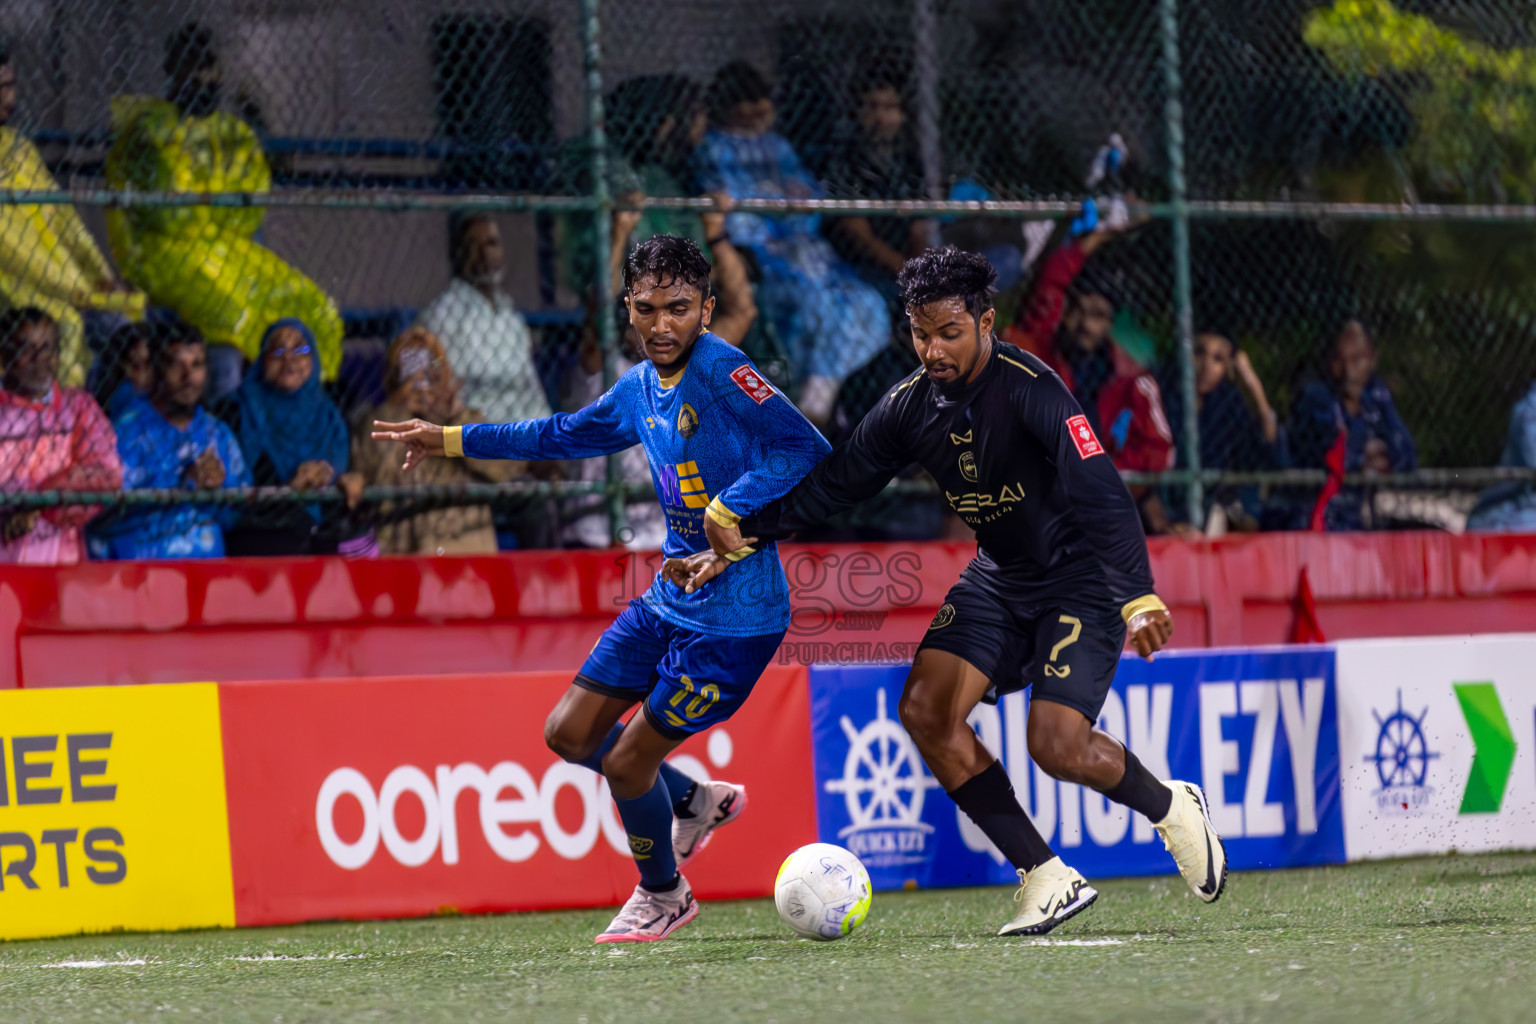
x,y
112,812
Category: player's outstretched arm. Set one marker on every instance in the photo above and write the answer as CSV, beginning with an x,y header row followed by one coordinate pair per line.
x,y
419,437
857,469
602,428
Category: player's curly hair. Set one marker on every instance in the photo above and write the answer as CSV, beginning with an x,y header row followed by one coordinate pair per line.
x,y
668,258
948,273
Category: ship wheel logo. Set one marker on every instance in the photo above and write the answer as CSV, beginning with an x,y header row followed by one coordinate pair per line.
x,y
883,779
1402,753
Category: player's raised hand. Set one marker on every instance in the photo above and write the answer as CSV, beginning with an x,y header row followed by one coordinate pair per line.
x,y
697,569
1149,631
419,437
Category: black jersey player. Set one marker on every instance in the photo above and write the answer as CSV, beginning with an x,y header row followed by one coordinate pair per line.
x,y
1060,576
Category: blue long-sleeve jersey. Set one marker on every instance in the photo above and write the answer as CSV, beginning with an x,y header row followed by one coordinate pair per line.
x,y
720,440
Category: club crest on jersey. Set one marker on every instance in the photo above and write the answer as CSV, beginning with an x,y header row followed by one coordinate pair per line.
x,y
687,421
944,617
752,382
968,466
1082,436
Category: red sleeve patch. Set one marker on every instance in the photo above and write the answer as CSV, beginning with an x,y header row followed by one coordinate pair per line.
x,y
1082,435
749,380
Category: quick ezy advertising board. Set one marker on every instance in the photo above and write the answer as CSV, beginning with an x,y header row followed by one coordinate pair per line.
x,y
1257,729
1439,744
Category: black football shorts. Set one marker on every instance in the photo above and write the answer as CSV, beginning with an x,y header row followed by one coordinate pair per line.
x,y
1066,647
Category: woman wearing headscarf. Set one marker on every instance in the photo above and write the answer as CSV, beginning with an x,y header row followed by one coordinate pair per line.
x,y
292,435
419,382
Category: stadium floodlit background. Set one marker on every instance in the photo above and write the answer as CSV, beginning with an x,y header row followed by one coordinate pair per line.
x,y
1302,164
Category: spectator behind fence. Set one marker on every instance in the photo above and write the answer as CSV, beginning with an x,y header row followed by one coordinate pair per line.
x,y
876,157
487,340
122,372
200,260
1239,431
830,322
169,441
656,122
1512,506
291,435
420,382
1067,324
52,438
48,260
1349,424
587,523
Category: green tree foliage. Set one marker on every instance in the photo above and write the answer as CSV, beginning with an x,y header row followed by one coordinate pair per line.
x,y
1473,104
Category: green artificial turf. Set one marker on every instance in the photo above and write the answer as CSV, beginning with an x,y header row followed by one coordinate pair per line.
x,y
1449,939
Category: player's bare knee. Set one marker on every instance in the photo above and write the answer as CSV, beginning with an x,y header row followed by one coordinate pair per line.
x,y
925,720
1060,757
564,742
627,774
940,739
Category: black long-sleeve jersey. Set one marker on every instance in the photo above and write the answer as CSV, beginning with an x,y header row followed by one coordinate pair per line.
x,y
1016,459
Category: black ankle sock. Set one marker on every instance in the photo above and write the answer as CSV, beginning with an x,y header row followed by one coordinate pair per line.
x,y
1140,790
988,800
682,807
669,887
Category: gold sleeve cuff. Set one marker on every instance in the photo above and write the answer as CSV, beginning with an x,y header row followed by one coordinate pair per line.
x,y
739,554
1150,603
722,515
453,442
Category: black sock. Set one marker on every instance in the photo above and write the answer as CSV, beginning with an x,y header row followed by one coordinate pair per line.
x,y
668,887
1140,790
988,800
682,807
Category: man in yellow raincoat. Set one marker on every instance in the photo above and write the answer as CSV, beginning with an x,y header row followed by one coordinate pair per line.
x,y
200,260
48,259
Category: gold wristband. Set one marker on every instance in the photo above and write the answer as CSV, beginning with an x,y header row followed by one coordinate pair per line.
x,y
723,516
1150,603
739,554
453,442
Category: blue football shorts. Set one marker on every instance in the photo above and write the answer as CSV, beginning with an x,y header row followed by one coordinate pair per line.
x,y
685,680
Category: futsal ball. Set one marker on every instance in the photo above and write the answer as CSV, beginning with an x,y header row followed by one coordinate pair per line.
x,y
822,891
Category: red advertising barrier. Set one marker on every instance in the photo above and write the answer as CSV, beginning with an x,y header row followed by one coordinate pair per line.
x,y
400,797
106,623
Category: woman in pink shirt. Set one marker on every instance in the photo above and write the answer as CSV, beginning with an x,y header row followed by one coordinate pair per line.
x,y
52,438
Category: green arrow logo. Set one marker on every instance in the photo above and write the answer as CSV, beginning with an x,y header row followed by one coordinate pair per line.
x,y
1493,746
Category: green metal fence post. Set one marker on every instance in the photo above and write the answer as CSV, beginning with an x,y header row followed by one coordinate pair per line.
x,y
602,239
1173,113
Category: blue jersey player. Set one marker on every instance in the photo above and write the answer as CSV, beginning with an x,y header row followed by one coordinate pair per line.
x,y
722,442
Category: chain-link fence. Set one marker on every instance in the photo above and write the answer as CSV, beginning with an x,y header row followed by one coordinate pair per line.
x,y
1277,250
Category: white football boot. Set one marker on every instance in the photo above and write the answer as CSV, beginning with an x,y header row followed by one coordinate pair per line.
x,y
1189,835
714,804
652,916
1047,896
